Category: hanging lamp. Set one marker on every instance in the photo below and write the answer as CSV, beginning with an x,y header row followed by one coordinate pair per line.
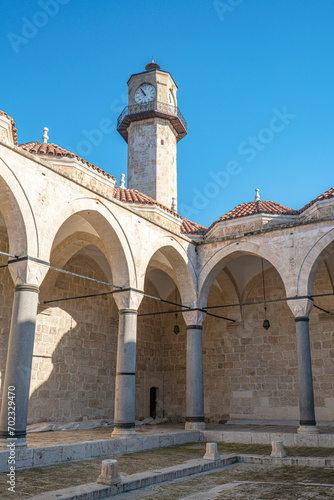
x,y
266,323
176,328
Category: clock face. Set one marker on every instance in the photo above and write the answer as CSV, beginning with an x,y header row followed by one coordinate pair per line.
x,y
171,98
145,94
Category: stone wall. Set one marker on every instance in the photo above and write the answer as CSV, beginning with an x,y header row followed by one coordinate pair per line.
x,y
322,346
6,302
74,364
161,360
152,160
250,372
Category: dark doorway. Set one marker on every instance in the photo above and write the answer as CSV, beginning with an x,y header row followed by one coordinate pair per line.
x,y
153,402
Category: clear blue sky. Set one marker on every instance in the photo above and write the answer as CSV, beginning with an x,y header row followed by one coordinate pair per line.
x,y
239,64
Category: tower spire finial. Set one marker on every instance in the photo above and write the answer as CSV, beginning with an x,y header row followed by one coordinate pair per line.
x,y
257,195
45,135
152,65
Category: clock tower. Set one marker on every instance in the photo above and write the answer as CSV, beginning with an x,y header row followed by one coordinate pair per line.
x,y
152,125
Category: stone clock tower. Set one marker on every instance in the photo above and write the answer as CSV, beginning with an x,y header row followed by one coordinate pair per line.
x,y
152,125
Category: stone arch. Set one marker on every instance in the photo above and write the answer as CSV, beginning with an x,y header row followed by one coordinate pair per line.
x,y
63,252
18,215
109,230
219,260
182,270
315,256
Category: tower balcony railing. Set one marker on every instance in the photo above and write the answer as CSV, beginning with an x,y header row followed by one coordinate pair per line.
x,y
161,107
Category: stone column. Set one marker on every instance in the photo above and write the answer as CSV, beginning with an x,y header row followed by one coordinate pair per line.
x,y
124,414
301,309
194,366
19,362
306,397
194,388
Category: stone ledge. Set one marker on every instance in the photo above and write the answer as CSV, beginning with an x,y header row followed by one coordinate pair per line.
x,y
133,482
51,455
289,439
137,481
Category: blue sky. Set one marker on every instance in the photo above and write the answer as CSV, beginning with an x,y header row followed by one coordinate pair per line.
x,y
255,84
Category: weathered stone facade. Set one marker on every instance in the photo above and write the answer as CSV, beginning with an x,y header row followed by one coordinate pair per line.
x,y
152,159
129,256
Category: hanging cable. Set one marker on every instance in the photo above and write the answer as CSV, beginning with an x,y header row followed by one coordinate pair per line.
x,y
204,309
9,255
266,323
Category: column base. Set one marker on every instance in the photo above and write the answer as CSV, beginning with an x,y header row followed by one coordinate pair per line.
x,y
308,429
194,426
123,430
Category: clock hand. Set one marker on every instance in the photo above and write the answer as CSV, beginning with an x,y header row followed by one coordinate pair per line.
x,y
143,92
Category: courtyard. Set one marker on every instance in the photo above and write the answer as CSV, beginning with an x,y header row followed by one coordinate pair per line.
x,y
254,481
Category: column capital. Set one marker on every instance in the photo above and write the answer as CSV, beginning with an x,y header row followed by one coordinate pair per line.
x,y
300,308
195,317
128,300
28,271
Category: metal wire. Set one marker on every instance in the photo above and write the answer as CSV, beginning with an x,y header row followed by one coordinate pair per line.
x,y
321,309
9,255
261,302
186,308
204,309
192,309
84,277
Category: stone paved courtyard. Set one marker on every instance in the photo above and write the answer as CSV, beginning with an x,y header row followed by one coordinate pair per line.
x,y
31,482
245,482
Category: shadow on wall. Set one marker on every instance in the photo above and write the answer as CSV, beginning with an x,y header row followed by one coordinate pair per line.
x,y
6,301
161,355
74,364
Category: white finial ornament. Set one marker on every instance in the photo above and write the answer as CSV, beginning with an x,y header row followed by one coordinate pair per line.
x,y
173,204
122,183
45,134
257,195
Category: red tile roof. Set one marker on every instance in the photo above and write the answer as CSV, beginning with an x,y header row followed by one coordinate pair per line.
x,y
324,196
50,149
134,196
256,207
14,129
188,227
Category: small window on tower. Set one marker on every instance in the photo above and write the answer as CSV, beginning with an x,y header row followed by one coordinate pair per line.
x,y
162,142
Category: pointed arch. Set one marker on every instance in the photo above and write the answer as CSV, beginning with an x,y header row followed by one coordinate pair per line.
x,y
181,268
223,256
17,213
315,256
107,228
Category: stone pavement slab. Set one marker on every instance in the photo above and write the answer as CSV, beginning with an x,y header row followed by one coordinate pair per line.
x,y
47,448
